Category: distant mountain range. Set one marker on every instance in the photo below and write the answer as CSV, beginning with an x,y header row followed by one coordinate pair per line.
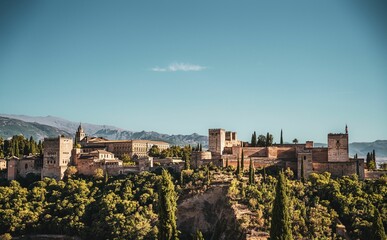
x,y
10,127
50,126
60,123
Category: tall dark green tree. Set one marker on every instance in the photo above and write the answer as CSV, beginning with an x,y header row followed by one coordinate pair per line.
x,y
200,148
32,145
167,208
368,159
254,139
243,162
377,229
40,147
280,222
269,140
261,142
281,140
238,169
251,173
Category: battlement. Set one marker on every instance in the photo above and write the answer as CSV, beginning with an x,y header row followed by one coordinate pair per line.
x,y
215,129
337,134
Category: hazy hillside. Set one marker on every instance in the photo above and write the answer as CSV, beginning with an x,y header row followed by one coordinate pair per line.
x,y
60,123
191,139
40,127
361,148
10,127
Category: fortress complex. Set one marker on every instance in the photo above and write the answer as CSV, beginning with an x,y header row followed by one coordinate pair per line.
x,y
303,159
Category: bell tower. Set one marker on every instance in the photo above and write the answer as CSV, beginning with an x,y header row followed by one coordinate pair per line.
x,y
79,135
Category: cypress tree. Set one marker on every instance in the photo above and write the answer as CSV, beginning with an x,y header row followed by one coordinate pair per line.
x,y
167,208
17,151
368,160
254,139
243,162
40,147
373,155
377,229
281,140
200,148
251,173
182,178
238,170
32,145
280,222
267,139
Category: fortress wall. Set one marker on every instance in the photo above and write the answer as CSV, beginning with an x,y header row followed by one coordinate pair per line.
x,y
320,154
286,153
254,152
338,169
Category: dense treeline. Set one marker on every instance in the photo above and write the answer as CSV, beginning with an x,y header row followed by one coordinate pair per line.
x,y
19,146
92,209
127,207
317,204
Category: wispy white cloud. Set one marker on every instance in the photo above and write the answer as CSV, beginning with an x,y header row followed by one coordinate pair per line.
x,y
174,67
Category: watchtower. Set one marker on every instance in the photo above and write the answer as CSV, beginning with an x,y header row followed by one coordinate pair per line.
x,y
338,147
216,140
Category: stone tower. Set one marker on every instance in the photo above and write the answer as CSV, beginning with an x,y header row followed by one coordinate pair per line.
x,y
56,156
216,141
338,147
79,135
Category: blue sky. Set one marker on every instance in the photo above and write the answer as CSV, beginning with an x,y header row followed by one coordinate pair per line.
x,y
308,67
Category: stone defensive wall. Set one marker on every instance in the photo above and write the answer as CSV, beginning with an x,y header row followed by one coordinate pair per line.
x,y
320,154
259,162
339,169
285,153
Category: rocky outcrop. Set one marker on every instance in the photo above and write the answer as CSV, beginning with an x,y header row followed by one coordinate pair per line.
x,y
210,213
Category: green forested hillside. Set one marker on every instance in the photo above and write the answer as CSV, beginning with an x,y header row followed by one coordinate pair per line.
x,y
127,207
